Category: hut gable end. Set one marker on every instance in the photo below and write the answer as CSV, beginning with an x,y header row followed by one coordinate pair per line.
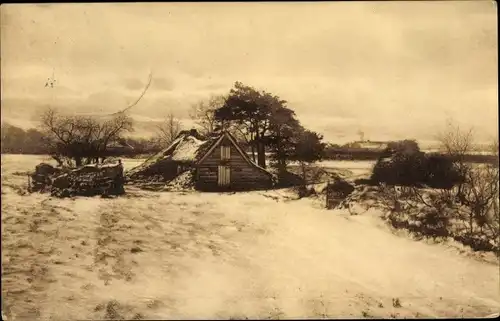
x,y
243,173
224,152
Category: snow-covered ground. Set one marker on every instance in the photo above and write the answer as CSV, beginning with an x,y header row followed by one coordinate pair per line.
x,y
164,255
355,167
349,170
476,152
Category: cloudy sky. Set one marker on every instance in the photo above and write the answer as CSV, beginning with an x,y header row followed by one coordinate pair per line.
x,y
389,69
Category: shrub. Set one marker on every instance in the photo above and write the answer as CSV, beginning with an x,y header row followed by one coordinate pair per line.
x,y
340,187
477,242
422,215
434,224
400,169
463,203
441,172
403,164
406,146
438,214
337,191
364,181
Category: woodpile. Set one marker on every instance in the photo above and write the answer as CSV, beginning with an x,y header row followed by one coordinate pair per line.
x,y
41,180
90,180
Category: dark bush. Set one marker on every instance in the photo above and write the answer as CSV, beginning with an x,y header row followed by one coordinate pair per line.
x,y
440,172
337,191
340,187
406,146
364,181
403,164
423,224
400,169
477,243
434,224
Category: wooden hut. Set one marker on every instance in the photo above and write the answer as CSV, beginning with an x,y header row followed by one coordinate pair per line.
x,y
225,166
218,164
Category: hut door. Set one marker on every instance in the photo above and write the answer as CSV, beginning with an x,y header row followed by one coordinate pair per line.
x,y
224,176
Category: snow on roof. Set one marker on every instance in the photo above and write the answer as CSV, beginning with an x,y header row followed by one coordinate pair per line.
x,y
184,148
164,152
187,149
156,157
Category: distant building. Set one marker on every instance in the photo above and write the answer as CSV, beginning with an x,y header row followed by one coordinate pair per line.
x,y
367,144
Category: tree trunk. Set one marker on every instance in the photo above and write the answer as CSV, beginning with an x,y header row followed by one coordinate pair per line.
x,y
78,161
471,222
282,165
261,154
253,150
279,156
304,173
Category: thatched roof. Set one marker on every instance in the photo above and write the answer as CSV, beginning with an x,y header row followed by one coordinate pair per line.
x,y
187,147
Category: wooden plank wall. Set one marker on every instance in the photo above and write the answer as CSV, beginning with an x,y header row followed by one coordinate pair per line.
x,y
243,175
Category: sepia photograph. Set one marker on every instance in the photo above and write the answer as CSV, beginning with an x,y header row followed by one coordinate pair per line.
x,y
249,160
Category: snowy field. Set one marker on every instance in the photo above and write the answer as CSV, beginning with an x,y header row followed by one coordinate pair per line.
x,y
364,166
165,255
347,168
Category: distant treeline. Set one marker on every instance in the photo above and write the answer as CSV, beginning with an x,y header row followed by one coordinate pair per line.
x,y
345,153
15,140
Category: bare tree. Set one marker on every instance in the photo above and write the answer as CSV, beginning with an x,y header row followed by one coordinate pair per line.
x,y
203,113
478,191
110,130
168,130
457,143
81,138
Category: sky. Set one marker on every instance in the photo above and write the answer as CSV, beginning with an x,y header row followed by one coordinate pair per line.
x,y
392,70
